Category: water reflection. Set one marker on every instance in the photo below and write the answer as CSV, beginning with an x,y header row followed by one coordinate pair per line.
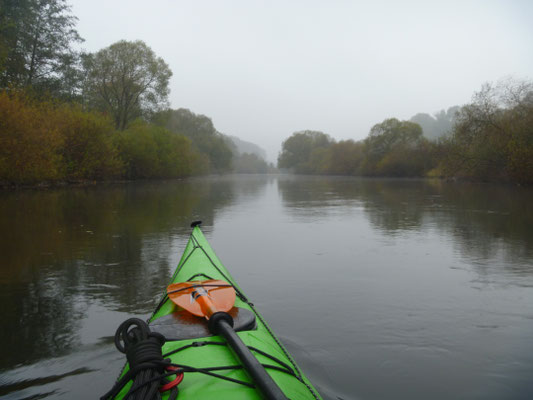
x,y
64,250
413,263
28,383
486,222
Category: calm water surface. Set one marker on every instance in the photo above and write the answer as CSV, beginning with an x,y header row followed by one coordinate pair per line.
x,y
381,289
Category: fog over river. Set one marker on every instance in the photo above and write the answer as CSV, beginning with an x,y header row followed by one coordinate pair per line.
x,y
380,289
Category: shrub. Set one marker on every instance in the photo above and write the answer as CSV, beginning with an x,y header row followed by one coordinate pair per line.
x,y
30,139
88,150
151,151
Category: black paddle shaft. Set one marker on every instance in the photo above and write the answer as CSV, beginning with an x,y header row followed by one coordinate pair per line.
x,y
220,324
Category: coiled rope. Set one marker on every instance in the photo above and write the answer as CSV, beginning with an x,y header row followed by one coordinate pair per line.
x,y
147,368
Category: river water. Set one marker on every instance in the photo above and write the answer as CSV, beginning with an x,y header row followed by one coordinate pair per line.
x,y
381,289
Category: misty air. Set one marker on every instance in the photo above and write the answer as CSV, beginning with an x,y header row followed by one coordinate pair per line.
x,y
280,200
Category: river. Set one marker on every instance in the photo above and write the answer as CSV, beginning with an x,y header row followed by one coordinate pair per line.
x,y
381,289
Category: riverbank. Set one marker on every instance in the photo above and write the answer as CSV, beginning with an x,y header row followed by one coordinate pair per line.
x,y
45,185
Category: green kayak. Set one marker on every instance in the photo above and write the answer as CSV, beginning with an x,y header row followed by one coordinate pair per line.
x,y
198,357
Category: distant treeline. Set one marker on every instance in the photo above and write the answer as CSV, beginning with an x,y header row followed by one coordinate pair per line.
x,y
67,115
491,139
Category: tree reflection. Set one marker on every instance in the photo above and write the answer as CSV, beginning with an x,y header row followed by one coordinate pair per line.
x,y
488,222
65,249
391,205
484,221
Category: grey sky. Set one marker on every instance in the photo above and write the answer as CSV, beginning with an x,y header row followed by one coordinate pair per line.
x,y
265,69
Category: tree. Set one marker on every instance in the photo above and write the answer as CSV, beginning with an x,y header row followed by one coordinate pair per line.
x,y
396,148
29,139
240,146
126,80
202,132
385,136
249,163
438,125
151,151
493,136
88,151
35,44
303,150
345,157
43,140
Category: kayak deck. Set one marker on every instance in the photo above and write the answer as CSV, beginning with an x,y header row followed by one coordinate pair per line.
x,y
215,372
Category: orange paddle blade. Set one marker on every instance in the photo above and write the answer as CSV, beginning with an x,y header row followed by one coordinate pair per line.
x,y
202,298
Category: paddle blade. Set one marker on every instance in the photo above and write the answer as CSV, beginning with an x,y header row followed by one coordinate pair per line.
x,y
202,298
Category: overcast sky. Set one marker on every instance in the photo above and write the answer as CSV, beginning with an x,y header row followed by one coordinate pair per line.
x,y
262,70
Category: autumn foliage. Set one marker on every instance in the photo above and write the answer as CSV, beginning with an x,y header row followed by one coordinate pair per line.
x,y
393,148
30,140
150,151
491,140
43,140
493,136
71,116
87,151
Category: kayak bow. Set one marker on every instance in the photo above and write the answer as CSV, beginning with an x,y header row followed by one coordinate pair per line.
x,y
215,340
